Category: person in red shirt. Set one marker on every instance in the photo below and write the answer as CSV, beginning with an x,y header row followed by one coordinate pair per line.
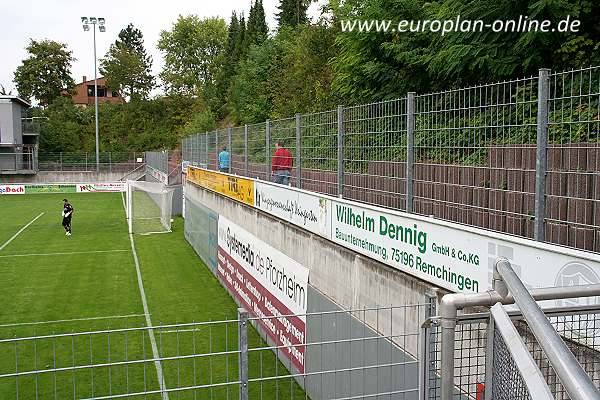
x,y
281,164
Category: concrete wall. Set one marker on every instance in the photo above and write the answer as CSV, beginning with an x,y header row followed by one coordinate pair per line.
x,y
341,341
63,177
177,205
350,280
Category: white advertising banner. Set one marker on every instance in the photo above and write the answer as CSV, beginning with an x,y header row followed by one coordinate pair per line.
x,y
268,284
12,189
307,210
101,187
454,256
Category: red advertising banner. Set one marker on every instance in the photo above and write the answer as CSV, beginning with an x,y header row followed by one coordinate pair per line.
x,y
270,285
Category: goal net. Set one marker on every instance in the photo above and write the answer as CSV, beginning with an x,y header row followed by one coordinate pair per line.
x,y
148,207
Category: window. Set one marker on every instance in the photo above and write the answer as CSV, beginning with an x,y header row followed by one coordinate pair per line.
x,y
101,91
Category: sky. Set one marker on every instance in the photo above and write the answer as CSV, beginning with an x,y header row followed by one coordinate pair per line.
x,y
60,20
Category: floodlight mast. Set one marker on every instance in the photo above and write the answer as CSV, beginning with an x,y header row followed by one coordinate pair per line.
x,y
86,22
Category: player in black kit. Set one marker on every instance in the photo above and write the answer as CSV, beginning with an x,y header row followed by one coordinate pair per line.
x,y
67,213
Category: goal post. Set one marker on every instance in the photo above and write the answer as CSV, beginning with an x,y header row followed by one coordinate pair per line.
x,y
148,207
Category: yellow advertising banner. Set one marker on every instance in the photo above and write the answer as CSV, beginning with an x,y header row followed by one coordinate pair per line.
x,y
239,189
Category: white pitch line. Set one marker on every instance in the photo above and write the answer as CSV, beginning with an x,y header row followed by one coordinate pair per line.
x,y
19,232
71,320
159,373
64,253
157,364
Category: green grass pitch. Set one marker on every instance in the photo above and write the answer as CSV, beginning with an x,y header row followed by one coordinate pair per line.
x,y
53,284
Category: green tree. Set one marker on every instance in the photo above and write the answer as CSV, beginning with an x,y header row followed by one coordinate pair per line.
x,y
127,66
46,72
292,12
257,25
192,52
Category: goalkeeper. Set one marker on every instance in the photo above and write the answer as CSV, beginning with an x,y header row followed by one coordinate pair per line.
x,y
67,213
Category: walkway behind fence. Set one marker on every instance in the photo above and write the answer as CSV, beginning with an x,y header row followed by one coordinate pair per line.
x,y
521,156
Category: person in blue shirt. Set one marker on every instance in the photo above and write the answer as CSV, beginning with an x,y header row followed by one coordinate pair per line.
x,y
224,160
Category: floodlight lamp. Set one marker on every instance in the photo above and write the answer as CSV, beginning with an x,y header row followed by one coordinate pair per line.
x,y
100,21
93,20
86,28
102,28
84,20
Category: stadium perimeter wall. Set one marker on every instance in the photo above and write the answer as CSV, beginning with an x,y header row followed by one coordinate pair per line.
x,y
177,204
63,177
339,280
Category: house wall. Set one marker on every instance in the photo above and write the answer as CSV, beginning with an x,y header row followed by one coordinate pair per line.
x,y
6,123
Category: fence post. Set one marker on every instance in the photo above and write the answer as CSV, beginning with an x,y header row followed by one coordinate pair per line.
x,y
243,348
410,155
217,149
86,162
298,152
427,364
541,154
229,149
268,149
206,149
110,162
340,158
246,166
489,359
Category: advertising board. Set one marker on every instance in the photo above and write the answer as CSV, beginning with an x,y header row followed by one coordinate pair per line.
x,y
453,256
268,284
101,187
50,188
306,210
240,189
12,189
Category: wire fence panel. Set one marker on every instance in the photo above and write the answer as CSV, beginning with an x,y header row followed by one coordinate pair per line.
x,y
238,151
469,358
283,132
375,153
119,162
257,151
471,152
349,354
573,184
319,136
475,155
508,381
578,325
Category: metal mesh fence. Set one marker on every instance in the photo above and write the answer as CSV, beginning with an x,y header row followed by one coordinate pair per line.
x,y
470,165
283,132
120,162
346,358
471,153
469,359
257,151
573,184
375,153
578,325
238,150
319,149
508,381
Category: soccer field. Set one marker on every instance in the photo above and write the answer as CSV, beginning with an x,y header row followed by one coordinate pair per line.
x,y
81,298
